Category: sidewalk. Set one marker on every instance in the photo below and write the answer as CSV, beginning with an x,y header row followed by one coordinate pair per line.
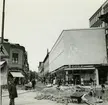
x,y
5,92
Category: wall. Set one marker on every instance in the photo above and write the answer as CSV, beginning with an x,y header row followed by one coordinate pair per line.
x,y
79,46
56,55
46,66
41,69
85,46
20,61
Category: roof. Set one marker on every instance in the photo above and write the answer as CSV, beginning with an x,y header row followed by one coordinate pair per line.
x,y
14,45
46,57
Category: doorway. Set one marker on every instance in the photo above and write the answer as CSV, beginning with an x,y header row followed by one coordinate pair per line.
x,y
76,79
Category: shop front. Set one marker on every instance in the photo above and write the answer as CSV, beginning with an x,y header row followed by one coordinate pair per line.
x,y
80,74
16,74
103,74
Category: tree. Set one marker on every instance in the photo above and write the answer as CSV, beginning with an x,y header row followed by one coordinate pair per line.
x,y
33,75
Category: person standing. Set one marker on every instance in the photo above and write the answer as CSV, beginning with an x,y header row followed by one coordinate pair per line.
x,y
82,81
54,81
33,83
12,90
91,81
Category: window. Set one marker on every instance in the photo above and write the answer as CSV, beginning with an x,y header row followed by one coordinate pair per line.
x,y
15,58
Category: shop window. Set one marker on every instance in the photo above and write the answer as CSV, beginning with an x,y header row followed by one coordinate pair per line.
x,y
14,57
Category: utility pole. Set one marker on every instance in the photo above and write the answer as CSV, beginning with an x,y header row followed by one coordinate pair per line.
x,y
2,39
3,20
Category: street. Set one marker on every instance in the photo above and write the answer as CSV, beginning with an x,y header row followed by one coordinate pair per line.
x,y
28,98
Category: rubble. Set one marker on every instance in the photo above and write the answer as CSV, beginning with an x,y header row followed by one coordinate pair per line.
x,y
60,95
64,95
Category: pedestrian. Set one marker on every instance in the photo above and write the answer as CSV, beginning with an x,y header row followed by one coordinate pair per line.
x,y
82,81
103,87
54,80
72,81
102,91
59,82
12,90
33,83
91,81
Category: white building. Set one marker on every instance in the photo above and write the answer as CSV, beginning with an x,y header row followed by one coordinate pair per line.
x,y
80,53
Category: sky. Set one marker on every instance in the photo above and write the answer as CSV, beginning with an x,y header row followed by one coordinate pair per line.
x,y
36,24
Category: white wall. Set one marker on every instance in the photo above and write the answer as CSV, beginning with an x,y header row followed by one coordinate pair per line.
x,y
85,46
46,66
80,46
56,56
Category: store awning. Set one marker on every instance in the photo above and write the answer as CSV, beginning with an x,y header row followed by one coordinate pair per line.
x,y
84,68
17,74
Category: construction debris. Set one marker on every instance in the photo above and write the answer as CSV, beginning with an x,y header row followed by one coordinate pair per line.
x,y
66,94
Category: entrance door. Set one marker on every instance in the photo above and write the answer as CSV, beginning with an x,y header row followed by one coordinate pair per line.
x,y
76,79
102,76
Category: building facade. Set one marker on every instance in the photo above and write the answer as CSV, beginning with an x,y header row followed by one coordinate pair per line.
x,y
98,20
94,20
17,61
80,53
46,63
43,68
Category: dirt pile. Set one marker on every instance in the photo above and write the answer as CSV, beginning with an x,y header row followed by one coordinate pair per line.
x,y
64,94
60,95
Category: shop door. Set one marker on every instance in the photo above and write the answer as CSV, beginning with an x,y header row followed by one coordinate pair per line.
x,y
102,76
76,79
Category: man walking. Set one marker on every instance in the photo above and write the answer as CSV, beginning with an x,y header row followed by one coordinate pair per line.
x,y
12,90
